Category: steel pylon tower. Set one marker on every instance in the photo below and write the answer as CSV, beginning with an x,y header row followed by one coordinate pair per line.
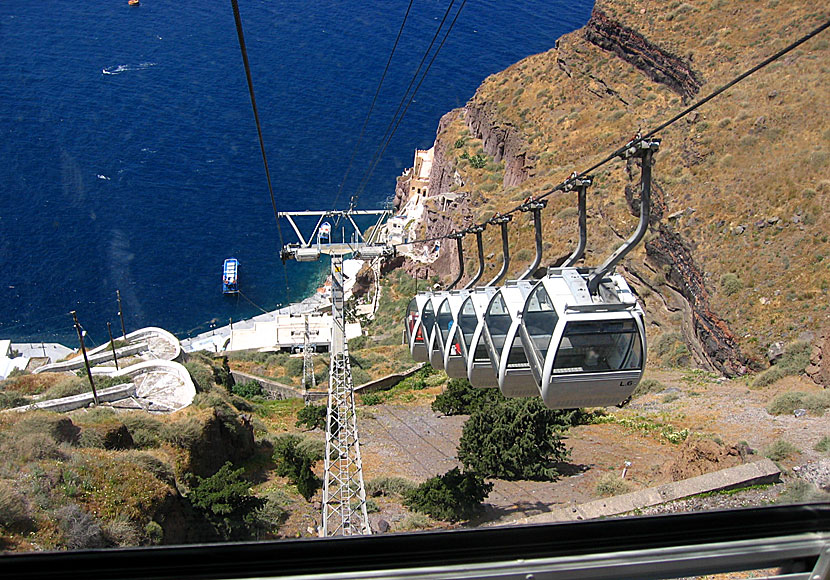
x,y
309,380
344,492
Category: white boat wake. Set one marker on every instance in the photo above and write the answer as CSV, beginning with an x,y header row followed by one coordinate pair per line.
x,y
122,68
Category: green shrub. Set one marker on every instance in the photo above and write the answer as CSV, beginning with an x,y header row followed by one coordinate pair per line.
x,y
312,417
823,446
273,514
67,387
247,389
461,398
518,439
80,529
450,497
360,376
388,486
294,460
10,400
786,403
201,374
648,386
670,349
800,491
795,359
294,366
14,509
780,450
371,399
611,484
226,501
154,532
184,434
145,430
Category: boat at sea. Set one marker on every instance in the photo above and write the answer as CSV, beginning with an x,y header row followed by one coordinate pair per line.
x,y
230,276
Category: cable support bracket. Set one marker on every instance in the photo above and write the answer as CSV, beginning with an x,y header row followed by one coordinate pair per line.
x,y
499,219
638,147
533,205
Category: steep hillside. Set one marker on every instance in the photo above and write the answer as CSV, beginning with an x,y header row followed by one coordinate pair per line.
x,y
737,256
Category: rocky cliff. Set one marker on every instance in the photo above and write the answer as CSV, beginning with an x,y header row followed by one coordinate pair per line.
x,y
738,238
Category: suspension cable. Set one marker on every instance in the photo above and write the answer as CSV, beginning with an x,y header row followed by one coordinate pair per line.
x,y
639,138
395,121
372,106
244,51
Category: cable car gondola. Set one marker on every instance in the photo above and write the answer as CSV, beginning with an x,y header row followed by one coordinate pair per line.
x,y
416,336
507,355
584,350
446,336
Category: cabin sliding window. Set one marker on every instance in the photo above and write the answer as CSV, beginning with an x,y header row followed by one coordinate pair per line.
x,y
540,320
445,321
468,321
599,346
411,318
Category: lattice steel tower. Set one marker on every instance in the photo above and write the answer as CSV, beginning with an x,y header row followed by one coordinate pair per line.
x,y
309,380
344,492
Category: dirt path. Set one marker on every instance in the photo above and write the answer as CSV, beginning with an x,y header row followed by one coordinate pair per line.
x,y
412,441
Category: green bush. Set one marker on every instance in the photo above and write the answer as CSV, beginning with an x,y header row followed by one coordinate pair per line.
x,y
670,349
795,359
247,389
518,439
648,386
295,460
389,486
780,449
450,497
312,417
371,399
14,509
800,491
294,366
786,403
823,446
145,430
67,387
10,400
201,374
226,501
611,484
461,398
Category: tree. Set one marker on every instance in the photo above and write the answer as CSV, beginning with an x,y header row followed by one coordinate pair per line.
x,y
461,398
295,458
312,417
450,497
247,389
225,499
517,439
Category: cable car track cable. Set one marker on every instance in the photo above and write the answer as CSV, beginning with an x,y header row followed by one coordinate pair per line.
x,y
246,64
640,138
372,106
396,119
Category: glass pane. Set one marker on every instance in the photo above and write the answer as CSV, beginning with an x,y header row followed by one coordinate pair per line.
x,y
468,321
598,346
540,320
429,318
498,321
517,358
445,321
411,317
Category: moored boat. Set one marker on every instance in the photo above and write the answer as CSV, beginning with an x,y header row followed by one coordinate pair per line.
x,y
230,276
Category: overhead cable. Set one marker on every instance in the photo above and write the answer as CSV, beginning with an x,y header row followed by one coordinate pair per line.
x,y
372,106
406,100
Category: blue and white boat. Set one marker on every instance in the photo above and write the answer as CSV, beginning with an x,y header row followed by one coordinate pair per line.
x,y
230,276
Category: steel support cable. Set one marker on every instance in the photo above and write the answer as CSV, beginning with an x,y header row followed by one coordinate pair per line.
x,y
640,138
396,119
246,64
372,106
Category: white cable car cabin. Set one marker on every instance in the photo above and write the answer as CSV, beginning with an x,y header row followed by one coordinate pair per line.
x,y
584,350
507,355
466,318
480,370
446,336
416,335
435,350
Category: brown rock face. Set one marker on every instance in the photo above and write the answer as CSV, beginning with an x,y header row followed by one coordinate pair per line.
x,y
658,64
503,141
819,368
670,253
222,439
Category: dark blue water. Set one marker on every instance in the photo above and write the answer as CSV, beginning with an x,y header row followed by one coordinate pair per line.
x,y
145,179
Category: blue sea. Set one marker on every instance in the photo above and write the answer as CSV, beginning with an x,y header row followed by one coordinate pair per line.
x,y
129,156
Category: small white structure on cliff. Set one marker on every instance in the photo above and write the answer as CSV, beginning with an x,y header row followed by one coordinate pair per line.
x,y
400,228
